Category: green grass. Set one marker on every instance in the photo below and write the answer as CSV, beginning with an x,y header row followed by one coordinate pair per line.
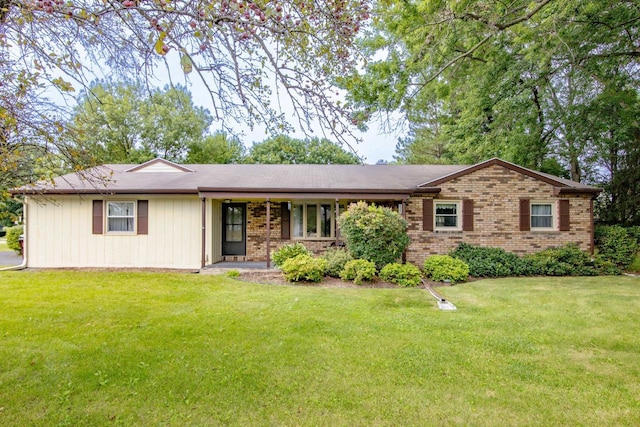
x,y
178,349
4,247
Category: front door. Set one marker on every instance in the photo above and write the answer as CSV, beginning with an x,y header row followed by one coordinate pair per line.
x,y
234,229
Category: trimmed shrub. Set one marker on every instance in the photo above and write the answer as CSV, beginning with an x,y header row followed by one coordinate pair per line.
x,y
490,262
568,260
615,244
289,251
445,268
407,275
358,270
304,268
13,238
635,233
336,259
374,233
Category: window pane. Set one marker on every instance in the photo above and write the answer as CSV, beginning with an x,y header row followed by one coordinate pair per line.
x,y
446,209
325,220
446,215
541,221
234,233
312,221
298,220
120,224
541,210
120,209
541,216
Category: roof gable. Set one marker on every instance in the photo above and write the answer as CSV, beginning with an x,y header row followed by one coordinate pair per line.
x,y
549,179
159,165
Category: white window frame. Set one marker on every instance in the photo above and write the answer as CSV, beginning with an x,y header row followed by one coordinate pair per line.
x,y
458,204
318,204
554,215
132,216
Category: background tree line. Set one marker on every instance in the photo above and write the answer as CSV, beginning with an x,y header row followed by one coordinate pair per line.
x,y
552,85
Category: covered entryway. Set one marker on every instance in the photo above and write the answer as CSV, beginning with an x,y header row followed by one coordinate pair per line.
x,y
234,229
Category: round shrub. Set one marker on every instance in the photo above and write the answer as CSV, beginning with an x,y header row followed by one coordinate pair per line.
x,y
407,275
289,251
13,238
358,270
615,244
336,259
304,268
374,233
445,268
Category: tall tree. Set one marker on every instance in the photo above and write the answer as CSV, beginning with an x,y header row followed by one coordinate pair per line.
x,y
510,78
216,148
248,54
283,149
127,123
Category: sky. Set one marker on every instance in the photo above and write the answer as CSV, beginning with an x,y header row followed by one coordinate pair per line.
x,y
375,145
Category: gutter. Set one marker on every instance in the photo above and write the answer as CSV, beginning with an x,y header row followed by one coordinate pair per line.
x,y
22,265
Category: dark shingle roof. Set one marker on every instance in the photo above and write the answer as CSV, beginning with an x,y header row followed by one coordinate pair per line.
x,y
121,178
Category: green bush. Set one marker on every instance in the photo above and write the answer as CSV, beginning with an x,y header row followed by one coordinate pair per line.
x,y
615,244
374,233
634,232
336,259
490,262
304,268
13,238
358,270
568,260
445,268
407,275
289,251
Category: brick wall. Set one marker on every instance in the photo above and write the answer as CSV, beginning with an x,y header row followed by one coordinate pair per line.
x,y
496,192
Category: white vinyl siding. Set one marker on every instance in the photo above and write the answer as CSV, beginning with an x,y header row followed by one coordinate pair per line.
x,y
59,235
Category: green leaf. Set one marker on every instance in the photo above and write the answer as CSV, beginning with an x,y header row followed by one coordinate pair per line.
x,y
186,63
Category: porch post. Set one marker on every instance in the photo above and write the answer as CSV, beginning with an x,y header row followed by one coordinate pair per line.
x,y
204,232
268,233
336,222
404,216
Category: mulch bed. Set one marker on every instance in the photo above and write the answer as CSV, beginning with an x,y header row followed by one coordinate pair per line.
x,y
274,277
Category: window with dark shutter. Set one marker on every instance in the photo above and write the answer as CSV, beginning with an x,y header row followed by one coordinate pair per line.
x,y
143,217
285,222
97,223
525,215
467,215
564,208
427,214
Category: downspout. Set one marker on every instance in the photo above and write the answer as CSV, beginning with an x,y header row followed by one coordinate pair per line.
x,y
204,232
25,246
443,304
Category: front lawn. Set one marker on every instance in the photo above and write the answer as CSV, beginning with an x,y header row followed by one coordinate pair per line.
x,y
102,348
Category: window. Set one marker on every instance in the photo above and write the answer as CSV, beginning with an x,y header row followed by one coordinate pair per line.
x,y
541,215
447,215
120,217
312,220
